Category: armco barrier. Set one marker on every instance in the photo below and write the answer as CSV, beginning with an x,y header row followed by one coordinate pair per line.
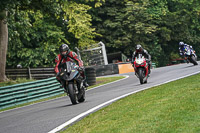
x,y
28,92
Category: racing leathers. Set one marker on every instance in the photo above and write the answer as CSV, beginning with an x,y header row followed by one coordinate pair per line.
x,y
71,56
184,47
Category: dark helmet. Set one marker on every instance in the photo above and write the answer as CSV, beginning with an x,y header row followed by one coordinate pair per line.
x,y
64,48
181,44
138,48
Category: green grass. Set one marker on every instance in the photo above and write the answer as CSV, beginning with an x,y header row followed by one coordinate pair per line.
x,y
105,80
170,108
100,81
17,81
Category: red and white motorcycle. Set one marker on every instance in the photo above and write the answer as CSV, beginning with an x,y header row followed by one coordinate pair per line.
x,y
141,68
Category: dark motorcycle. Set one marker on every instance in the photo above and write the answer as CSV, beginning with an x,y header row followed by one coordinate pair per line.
x,y
141,68
190,55
72,81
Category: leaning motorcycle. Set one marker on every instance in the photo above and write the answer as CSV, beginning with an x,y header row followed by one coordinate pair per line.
x,y
73,81
190,55
141,68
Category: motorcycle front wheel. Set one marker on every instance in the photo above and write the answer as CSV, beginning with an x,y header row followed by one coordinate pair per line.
x,y
72,93
141,75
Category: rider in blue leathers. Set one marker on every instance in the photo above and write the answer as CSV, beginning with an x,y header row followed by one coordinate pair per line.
x,y
182,47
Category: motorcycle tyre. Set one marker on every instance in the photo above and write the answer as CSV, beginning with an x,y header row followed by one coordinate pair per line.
x,y
141,75
72,94
192,60
82,99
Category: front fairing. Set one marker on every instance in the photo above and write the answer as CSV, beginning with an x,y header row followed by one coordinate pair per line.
x,y
71,75
186,51
69,71
140,62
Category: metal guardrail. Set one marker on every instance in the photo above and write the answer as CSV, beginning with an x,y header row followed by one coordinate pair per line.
x,y
29,92
153,65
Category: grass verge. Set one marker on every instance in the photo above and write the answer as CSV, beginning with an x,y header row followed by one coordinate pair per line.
x,y
100,81
17,81
170,108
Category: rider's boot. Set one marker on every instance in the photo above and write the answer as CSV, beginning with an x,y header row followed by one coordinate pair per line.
x,y
61,84
85,83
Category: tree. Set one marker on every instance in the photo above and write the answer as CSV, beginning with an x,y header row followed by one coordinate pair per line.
x,y
3,44
123,24
156,24
38,28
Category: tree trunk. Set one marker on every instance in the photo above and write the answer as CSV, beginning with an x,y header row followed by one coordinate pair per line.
x,y
3,46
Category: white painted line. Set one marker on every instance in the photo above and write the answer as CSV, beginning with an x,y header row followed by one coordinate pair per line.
x,y
108,102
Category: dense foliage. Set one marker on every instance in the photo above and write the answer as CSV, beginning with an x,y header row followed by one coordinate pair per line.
x,y
38,27
156,24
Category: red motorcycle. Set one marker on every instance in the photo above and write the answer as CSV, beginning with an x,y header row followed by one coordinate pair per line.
x,y
141,68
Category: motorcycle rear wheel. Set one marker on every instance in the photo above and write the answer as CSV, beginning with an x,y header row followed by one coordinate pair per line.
x,y
192,60
72,93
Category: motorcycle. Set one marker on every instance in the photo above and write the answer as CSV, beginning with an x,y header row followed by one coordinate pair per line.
x,y
190,55
73,81
141,68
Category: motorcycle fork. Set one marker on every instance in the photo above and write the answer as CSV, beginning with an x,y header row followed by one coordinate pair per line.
x,y
147,69
136,72
66,87
74,85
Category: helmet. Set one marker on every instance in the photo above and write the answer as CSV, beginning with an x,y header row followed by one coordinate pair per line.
x,y
64,49
138,48
181,43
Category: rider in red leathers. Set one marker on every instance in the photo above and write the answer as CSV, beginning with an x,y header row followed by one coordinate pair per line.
x,y
67,55
140,50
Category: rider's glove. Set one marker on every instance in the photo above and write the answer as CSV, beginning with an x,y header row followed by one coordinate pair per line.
x,y
81,68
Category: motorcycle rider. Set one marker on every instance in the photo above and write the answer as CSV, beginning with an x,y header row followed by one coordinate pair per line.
x,y
147,56
67,55
182,46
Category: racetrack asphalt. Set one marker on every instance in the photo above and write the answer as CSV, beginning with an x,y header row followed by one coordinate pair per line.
x,y
46,116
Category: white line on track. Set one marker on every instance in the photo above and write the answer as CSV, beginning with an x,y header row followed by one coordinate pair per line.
x,y
108,102
126,76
